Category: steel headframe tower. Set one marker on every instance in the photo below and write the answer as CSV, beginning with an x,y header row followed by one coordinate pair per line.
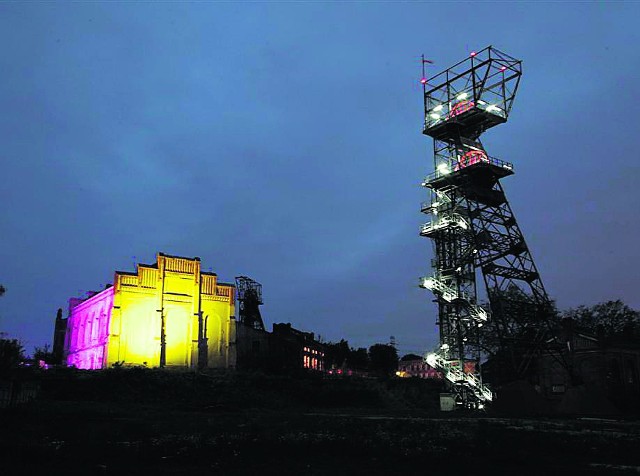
x,y
472,226
250,299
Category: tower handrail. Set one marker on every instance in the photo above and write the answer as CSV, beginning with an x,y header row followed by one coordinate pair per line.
x,y
448,169
455,375
444,221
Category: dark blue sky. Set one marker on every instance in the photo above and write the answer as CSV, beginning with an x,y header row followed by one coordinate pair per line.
x,y
283,142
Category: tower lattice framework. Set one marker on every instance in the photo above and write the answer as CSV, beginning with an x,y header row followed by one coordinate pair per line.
x,y
473,227
249,299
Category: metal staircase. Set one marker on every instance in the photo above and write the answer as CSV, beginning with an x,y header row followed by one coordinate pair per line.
x,y
472,226
452,373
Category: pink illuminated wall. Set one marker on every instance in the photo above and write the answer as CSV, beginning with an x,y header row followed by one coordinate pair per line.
x,y
88,330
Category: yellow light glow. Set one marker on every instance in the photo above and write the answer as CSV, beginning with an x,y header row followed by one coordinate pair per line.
x,y
171,291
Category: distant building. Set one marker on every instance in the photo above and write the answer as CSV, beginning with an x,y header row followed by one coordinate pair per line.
x,y
607,365
417,368
294,349
169,313
253,347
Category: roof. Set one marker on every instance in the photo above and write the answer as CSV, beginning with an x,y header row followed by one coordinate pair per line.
x,y
196,258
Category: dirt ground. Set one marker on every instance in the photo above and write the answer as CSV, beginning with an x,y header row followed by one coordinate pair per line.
x,y
201,433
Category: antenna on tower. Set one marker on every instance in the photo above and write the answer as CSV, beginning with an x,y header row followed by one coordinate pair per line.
x,y
424,62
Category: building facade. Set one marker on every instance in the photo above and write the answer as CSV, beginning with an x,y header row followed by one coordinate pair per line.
x,y
168,314
417,368
606,367
294,349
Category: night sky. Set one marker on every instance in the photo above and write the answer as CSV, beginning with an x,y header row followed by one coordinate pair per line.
x,y
283,142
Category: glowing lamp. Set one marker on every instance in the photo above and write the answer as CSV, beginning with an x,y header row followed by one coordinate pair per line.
x,y
423,80
443,168
434,115
438,108
472,54
461,96
504,68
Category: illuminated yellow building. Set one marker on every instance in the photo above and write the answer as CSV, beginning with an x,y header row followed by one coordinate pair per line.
x,y
166,314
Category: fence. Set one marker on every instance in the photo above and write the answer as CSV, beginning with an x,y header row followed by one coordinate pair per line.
x,y
14,393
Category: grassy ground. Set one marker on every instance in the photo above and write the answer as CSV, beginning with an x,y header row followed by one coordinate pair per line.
x,y
145,422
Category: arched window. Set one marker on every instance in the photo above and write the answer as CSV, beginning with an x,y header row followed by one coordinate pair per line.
x,y
614,372
630,372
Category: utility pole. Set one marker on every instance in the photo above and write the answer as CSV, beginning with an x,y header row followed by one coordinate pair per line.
x,y
163,335
203,346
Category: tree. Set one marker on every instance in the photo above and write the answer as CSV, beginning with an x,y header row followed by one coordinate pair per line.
x,y
11,354
336,354
517,330
407,357
358,359
383,359
606,318
44,353
2,289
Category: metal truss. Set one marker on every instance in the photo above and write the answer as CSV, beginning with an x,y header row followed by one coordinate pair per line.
x,y
473,227
249,300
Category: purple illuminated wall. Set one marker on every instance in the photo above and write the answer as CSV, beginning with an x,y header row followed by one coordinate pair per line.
x,y
88,331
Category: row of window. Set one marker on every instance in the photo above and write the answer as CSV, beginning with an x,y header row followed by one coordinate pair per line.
x,y
84,330
311,351
312,363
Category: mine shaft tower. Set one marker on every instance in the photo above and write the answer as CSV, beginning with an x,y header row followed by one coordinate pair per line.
x,y
472,226
250,299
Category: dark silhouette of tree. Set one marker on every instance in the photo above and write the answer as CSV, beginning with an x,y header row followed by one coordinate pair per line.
x,y
11,354
404,358
516,319
604,319
2,289
383,359
358,359
516,332
336,354
45,354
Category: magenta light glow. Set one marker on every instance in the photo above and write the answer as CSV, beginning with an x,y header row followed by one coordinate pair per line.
x,y
460,107
470,158
473,53
423,80
88,331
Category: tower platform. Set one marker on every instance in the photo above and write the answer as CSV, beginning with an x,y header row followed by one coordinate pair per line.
x,y
480,172
465,119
